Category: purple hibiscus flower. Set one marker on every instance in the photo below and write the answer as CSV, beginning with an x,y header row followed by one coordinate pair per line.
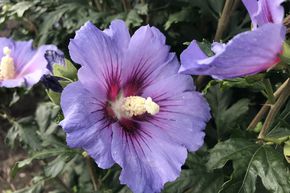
x,y
21,65
247,53
130,106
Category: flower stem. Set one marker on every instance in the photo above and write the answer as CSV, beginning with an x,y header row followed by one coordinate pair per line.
x,y
265,108
285,93
92,171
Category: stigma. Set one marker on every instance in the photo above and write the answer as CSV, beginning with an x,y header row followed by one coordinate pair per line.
x,y
134,106
7,68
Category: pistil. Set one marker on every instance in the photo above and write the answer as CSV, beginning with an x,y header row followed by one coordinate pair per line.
x,y
134,106
7,68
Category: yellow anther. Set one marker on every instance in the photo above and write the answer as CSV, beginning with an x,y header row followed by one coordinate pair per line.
x,y
151,107
7,68
136,105
6,51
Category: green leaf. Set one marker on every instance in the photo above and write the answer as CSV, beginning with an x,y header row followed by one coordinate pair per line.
x,y
36,187
286,151
250,160
47,153
54,96
50,19
181,16
21,7
55,167
197,178
28,134
12,135
67,71
232,149
125,190
281,127
278,135
254,83
286,50
226,114
133,19
205,46
142,9
15,99
45,115
209,7
25,129
193,181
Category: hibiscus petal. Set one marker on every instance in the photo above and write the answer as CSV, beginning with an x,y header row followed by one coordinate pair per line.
x,y
37,61
96,86
11,83
33,77
85,124
252,7
269,11
183,112
98,53
190,56
247,53
22,54
119,33
265,11
147,52
147,161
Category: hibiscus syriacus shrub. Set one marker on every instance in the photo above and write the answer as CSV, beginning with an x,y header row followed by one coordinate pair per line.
x,y
145,96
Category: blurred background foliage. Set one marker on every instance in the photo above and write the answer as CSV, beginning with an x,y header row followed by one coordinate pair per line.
x,y
55,21
230,161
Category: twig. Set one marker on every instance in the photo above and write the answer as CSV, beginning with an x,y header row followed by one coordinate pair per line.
x,y
265,108
31,26
201,81
126,5
98,5
275,109
286,22
92,171
8,183
229,7
63,185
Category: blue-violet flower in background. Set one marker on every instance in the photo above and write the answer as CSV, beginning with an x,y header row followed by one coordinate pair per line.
x,y
49,80
247,53
21,64
130,106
